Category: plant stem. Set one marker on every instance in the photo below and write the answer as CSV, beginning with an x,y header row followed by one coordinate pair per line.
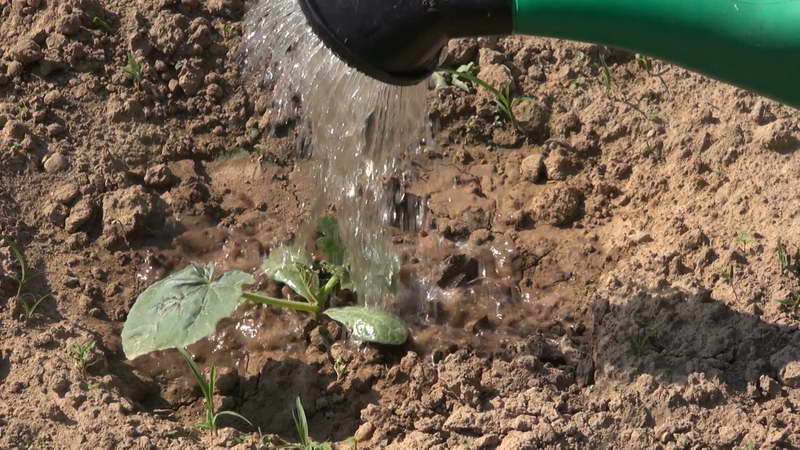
x,y
326,291
281,303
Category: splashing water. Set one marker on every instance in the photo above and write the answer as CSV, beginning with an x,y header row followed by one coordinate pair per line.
x,y
358,129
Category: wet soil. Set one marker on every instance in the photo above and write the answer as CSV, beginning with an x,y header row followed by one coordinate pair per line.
x,y
604,275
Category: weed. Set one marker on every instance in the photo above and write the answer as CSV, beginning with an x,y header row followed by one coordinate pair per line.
x,y
783,256
100,23
207,386
458,78
26,274
22,110
340,367
792,303
608,78
504,97
84,356
133,69
227,30
728,274
745,238
644,339
644,63
301,424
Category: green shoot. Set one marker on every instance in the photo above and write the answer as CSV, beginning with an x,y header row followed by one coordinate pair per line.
x,y
29,308
504,98
100,23
728,274
133,69
84,356
644,62
783,256
792,303
644,339
608,78
25,275
207,386
745,238
301,425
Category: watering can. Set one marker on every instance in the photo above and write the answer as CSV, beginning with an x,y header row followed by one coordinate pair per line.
x,y
752,44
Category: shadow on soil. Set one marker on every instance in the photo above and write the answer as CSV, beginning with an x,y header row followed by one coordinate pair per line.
x,y
673,333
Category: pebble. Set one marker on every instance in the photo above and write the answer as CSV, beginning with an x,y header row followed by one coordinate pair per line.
x,y
56,162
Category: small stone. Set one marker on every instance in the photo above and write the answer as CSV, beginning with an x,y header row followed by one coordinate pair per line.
x,y
364,432
790,374
56,213
14,130
532,116
14,69
53,98
558,206
768,385
55,129
56,162
160,177
77,240
532,168
66,194
27,51
214,91
79,215
487,56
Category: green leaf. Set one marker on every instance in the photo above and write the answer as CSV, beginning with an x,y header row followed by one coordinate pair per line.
x,y
330,240
371,325
291,265
181,309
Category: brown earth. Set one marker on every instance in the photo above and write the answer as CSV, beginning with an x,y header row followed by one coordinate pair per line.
x,y
604,275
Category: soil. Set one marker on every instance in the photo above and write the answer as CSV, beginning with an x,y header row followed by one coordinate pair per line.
x,y
602,275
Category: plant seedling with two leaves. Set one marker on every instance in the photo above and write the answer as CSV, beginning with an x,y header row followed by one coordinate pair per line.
x,y
301,425
207,387
26,301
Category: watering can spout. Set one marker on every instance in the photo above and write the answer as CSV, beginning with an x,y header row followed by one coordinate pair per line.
x,y
753,44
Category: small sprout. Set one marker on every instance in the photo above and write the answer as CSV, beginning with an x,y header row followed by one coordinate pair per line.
x,y
745,238
29,308
133,69
608,78
792,303
504,98
84,356
22,110
207,387
301,424
644,63
100,23
728,274
783,256
644,339
340,367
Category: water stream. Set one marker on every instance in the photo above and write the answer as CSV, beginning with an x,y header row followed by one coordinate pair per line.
x,y
356,129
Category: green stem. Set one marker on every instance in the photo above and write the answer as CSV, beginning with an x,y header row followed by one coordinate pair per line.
x,y
281,303
326,291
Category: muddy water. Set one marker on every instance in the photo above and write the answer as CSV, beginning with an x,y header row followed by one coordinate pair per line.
x,y
357,130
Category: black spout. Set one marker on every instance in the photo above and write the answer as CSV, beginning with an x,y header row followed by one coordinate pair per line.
x,y
399,41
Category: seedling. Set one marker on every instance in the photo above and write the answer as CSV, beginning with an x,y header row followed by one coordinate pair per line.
x,y
27,301
608,78
457,77
504,98
644,339
745,238
100,23
207,386
301,424
83,355
644,63
192,300
133,69
784,258
792,303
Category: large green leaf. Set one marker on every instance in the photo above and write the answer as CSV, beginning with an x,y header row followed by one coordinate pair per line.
x,y
370,325
292,266
330,241
181,309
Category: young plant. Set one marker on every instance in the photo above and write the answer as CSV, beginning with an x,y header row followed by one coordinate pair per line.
x,y
26,301
783,255
207,387
792,303
301,425
608,78
192,300
457,77
133,69
83,355
644,339
504,97
100,23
